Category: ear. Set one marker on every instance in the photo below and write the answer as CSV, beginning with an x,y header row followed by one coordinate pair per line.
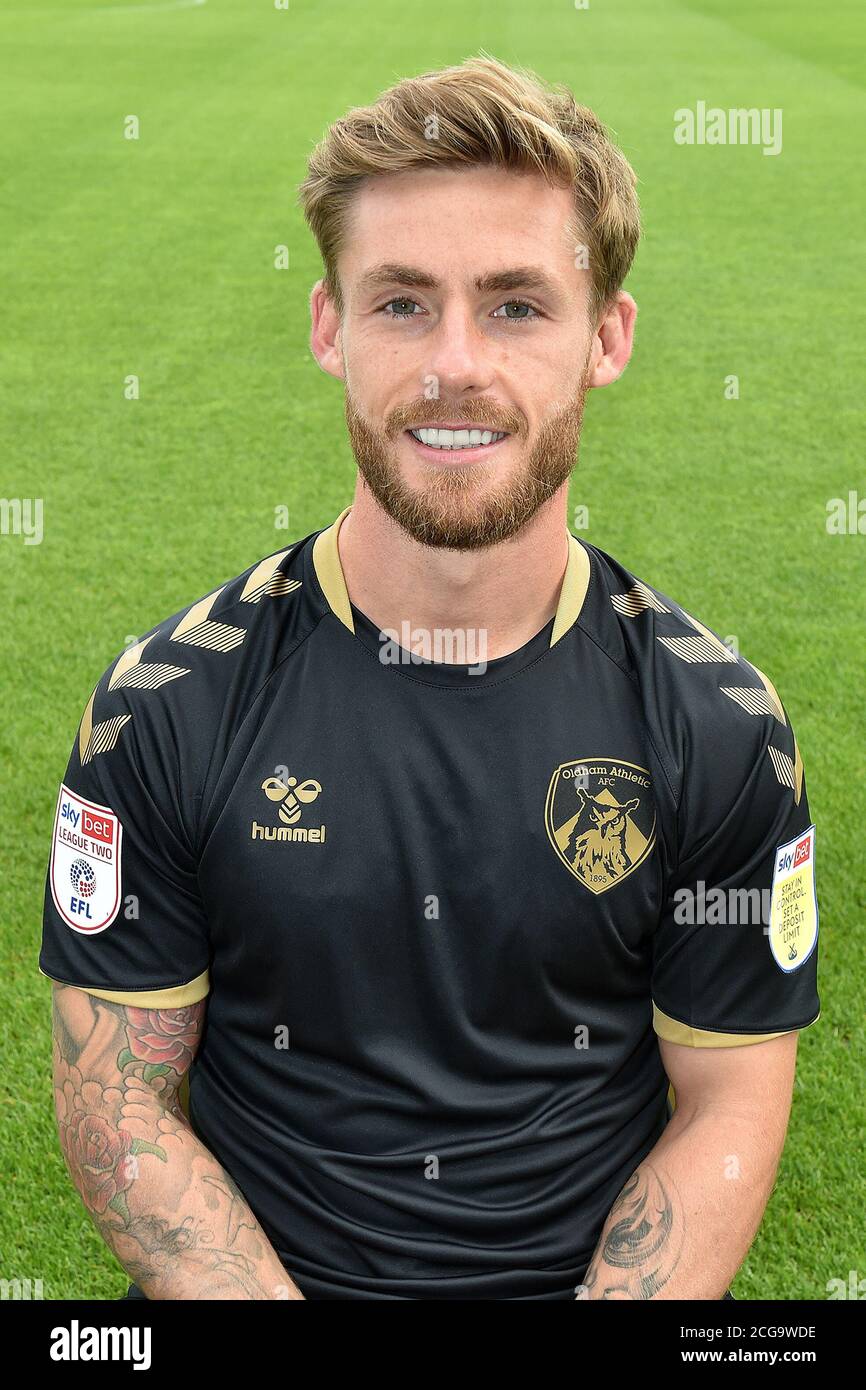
x,y
325,332
613,341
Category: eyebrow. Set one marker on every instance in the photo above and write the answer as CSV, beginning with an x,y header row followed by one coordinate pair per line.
x,y
410,277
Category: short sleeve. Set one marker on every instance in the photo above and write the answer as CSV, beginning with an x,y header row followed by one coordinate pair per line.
x,y
123,917
735,951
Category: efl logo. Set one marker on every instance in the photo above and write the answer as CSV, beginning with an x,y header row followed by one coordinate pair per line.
x,y
85,863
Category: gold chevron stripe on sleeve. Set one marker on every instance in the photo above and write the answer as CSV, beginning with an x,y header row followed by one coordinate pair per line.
x,y
281,584
773,695
85,728
705,647
673,1031
127,660
197,613
196,628
697,648
265,580
174,997
788,771
637,600
150,675
573,592
130,670
752,700
783,768
724,653
104,736
218,637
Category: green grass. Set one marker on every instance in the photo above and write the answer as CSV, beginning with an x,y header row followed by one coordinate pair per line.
x,y
155,257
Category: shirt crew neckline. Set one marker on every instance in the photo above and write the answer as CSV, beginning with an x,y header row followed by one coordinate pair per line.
x,y
328,575
464,675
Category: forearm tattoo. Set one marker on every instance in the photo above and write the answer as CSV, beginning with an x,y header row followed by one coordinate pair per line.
x,y
642,1240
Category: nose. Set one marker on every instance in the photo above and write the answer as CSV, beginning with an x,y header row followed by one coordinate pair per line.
x,y
460,357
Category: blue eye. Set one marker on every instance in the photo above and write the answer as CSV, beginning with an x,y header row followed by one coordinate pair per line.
x,y
398,315
518,304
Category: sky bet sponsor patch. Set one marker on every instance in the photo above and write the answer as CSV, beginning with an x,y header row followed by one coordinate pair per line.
x,y
793,902
85,863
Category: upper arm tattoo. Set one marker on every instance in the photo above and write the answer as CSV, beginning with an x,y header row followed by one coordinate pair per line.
x,y
166,1207
111,1059
157,1044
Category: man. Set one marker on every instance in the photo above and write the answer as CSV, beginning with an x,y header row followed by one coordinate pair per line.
x,y
434,847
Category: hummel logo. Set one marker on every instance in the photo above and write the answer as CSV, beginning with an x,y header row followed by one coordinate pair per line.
x,y
291,797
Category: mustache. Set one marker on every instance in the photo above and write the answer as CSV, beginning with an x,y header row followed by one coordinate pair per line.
x,y
483,413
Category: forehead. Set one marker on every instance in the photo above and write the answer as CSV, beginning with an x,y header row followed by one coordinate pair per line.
x,y
457,220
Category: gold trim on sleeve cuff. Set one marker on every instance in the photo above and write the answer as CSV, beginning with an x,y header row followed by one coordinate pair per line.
x,y
673,1031
174,997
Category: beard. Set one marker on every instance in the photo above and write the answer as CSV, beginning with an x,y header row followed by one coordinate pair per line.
x,y
462,507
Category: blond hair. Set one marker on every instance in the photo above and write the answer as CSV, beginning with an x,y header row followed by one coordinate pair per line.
x,y
485,113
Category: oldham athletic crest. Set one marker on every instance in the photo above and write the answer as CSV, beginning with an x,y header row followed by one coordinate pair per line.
x,y
600,819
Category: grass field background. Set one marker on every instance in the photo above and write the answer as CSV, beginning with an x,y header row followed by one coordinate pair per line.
x,y
155,258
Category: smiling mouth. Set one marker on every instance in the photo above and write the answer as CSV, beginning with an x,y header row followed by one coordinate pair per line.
x,y
450,440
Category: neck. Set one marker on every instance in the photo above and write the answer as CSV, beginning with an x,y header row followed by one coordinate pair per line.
x,y
508,591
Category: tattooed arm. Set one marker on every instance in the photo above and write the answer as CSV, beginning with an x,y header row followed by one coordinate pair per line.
x,y
165,1207
682,1225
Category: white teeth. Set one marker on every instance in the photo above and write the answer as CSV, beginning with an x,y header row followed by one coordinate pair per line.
x,y
456,439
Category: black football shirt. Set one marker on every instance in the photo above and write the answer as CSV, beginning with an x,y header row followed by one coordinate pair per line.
x,y
442,910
